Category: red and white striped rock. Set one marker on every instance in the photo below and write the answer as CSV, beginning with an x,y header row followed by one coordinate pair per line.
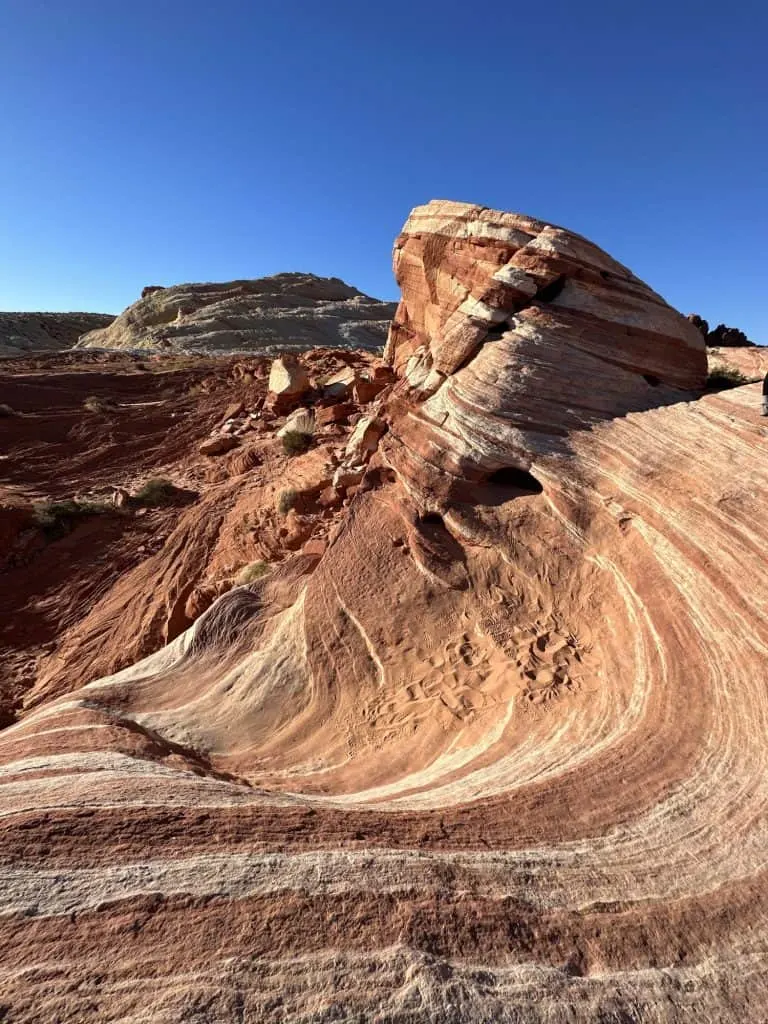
x,y
503,758
518,333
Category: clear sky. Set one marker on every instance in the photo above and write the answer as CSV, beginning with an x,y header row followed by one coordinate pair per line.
x,y
181,140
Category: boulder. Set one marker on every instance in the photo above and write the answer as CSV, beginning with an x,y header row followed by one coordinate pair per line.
x,y
288,382
338,413
365,389
339,386
233,411
328,498
364,439
348,476
218,445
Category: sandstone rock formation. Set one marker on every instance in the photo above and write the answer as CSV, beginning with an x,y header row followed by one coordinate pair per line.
x,y
26,333
520,333
751,361
284,311
492,748
721,336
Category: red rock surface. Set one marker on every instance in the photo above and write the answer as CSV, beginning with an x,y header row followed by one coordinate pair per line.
x,y
489,746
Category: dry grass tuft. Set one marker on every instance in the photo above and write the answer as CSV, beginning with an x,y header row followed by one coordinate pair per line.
x,y
295,442
286,500
251,572
157,491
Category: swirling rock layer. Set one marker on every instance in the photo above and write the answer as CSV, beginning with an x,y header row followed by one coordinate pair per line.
x,y
501,760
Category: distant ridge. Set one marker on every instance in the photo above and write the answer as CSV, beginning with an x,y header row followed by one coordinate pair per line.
x,y
23,333
289,310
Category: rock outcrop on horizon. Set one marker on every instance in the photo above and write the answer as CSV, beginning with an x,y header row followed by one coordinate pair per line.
x,y
286,311
721,336
482,738
27,333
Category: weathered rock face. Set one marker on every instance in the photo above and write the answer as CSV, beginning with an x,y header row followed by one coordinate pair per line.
x,y
518,333
479,751
27,333
287,310
751,362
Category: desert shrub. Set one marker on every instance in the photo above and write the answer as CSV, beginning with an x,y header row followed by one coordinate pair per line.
x,y
6,410
56,518
286,500
724,377
295,442
157,491
95,404
252,572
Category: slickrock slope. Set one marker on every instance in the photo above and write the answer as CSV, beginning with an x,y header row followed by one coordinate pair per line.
x,y
24,333
497,752
284,311
751,361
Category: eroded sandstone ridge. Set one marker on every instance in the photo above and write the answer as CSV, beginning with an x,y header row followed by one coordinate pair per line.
x,y
23,333
283,311
493,750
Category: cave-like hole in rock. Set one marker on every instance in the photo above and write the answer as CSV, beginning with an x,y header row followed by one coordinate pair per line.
x,y
549,292
517,479
431,519
497,332
650,379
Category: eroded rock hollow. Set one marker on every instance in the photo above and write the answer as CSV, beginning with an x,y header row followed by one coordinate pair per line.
x,y
497,752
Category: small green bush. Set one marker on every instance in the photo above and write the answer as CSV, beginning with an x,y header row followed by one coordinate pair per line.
x,y
295,442
724,377
56,518
95,404
252,572
156,492
286,500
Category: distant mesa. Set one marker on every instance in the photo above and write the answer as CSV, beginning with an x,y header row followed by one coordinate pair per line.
x,y
29,333
292,310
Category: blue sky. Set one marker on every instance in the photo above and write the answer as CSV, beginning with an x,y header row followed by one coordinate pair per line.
x,y
152,143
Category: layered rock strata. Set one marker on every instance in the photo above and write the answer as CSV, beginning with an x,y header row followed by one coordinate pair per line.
x,y
284,311
27,333
494,752
518,333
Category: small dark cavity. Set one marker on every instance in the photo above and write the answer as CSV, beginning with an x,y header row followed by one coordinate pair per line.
x,y
650,379
431,519
518,479
7,718
549,292
497,332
